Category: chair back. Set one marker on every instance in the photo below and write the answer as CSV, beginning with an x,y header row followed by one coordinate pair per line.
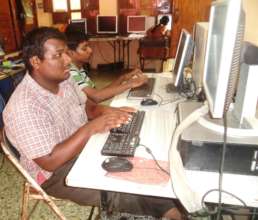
x,y
154,48
13,155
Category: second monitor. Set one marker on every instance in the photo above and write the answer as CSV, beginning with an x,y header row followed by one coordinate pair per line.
x,y
183,56
107,24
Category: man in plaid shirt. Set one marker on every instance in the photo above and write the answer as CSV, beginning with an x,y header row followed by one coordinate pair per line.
x,y
49,123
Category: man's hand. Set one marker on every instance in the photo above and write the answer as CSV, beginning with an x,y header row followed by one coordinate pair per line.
x,y
125,109
111,118
133,74
138,81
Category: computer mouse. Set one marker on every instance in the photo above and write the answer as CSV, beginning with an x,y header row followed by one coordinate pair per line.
x,y
149,102
117,164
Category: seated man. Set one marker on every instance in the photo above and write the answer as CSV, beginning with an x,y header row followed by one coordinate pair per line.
x,y
50,124
80,53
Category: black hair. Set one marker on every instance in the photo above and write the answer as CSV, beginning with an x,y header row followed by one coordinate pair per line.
x,y
33,44
74,36
164,20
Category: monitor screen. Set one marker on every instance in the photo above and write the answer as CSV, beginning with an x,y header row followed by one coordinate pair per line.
x,y
107,24
136,24
79,25
169,25
183,56
222,60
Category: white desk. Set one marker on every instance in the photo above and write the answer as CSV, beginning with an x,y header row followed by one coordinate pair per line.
x,y
156,133
120,44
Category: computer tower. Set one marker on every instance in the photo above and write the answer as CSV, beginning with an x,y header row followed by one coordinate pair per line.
x,y
201,148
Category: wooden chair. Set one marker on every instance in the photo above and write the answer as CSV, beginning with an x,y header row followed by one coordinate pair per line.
x,y
32,190
153,48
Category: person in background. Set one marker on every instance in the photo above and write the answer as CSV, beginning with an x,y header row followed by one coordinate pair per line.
x,y
49,124
159,30
80,52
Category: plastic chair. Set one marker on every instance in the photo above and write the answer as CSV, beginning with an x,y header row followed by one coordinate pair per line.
x,y
32,190
153,48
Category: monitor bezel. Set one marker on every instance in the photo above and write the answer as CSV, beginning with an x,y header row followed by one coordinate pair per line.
x,y
80,20
106,32
216,103
136,16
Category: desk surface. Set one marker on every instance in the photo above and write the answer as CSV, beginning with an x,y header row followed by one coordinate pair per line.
x,y
116,37
156,133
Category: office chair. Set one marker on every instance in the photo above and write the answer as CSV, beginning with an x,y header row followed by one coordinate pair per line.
x,y
153,48
32,190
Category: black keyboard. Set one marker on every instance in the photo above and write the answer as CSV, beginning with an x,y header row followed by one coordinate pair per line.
x,y
144,90
122,141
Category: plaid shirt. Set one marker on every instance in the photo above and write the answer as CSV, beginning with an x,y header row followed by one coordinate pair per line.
x,y
36,120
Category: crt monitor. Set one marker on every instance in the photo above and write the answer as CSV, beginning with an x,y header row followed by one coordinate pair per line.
x,y
107,24
136,24
222,60
79,24
183,57
150,22
169,25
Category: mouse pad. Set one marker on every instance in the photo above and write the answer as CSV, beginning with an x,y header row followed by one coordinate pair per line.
x,y
145,171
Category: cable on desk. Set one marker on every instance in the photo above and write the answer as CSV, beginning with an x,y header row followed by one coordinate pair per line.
x,y
148,150
161,99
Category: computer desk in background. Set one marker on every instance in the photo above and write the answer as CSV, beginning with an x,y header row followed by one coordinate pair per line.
x,y
120,45
156,133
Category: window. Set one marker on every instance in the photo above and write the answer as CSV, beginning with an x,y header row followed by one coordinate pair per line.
x,y
71,7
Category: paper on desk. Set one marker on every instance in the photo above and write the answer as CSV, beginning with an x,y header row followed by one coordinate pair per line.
x,y
145,171
190,199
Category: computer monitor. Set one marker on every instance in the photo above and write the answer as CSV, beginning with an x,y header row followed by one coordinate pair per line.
x,y
150,22
136,24
169,25
79,24
107,24
222,61
223,69
200,35
183,57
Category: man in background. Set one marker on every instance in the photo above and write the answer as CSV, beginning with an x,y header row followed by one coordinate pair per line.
x,y
80,52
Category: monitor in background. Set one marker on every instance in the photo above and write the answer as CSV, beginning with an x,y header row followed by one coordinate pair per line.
x,y
200,39
136,24
79,24
183,57
169,25
150,22
107,24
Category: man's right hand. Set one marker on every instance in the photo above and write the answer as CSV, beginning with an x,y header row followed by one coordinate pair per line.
x,y
108,121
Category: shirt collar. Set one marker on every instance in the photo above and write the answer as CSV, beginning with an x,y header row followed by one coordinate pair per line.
x,y
42,91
